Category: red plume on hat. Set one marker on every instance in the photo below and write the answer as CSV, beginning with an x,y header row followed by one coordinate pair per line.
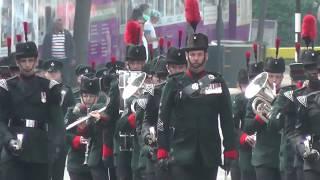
x,y
248,54
19,38
192,13
26,30
93,65
161,45
180,38
277,47
298,48
150,47
9,41
309,29
113,60
132,33
168,44
255,51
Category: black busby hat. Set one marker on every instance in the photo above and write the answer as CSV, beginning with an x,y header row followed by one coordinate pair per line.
x,y
83,69
297,71
160,67
274,65
309,58
52,65
136,53
243,77
26,49
255,69
89,85
197,41
176,56
115,65
102,72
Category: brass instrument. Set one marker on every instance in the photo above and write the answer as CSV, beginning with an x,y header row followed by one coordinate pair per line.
x,y
263,95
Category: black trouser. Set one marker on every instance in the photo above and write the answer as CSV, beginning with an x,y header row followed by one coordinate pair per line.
x,y
290,174
235,171
193,173
101,173
58,166
19,170
311,175
248,175
80,176
264,173
124,171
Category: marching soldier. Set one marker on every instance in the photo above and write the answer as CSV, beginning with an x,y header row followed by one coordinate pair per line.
x,y
126,125
246,141
283,117
53,72
307,127
30,119
265,154
190,105
175,63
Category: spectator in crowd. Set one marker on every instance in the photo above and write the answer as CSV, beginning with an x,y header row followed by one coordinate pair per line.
x,y
59,44
150,32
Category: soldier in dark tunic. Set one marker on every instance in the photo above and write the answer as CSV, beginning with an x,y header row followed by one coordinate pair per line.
x,y
190,105
30,119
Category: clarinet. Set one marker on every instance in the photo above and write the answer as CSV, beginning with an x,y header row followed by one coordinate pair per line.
x,y
86,154
88,142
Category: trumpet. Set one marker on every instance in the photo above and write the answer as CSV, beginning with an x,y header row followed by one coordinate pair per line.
x,y
263,96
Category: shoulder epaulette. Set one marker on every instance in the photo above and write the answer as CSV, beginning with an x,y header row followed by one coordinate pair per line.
x,y
289,95
53,83
3,84
302,100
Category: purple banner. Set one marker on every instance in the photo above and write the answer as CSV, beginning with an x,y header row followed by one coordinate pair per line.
x,y
104,30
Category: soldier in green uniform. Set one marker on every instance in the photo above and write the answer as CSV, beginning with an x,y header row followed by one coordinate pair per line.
x,y
99,128
30,119
283,118
246,141
126,126
265,154
175,63
307,132
190,105
53,72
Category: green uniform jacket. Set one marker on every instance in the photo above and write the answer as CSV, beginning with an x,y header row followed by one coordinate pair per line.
x,y
283,118
239,105
37,99
75,155
266,151
195,121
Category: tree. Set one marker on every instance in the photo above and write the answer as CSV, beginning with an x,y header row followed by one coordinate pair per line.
x,y
81,30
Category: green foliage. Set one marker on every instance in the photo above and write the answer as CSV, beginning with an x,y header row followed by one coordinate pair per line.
x,y
283,11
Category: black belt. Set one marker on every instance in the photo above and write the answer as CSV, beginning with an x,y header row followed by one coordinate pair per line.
x,y
29,123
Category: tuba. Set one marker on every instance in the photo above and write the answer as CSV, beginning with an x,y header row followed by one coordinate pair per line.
x,y
263,96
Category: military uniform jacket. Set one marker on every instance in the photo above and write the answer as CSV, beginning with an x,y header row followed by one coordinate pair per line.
x,y
36,99
283,118
308,104
266,152
195,120
239,112
76,151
